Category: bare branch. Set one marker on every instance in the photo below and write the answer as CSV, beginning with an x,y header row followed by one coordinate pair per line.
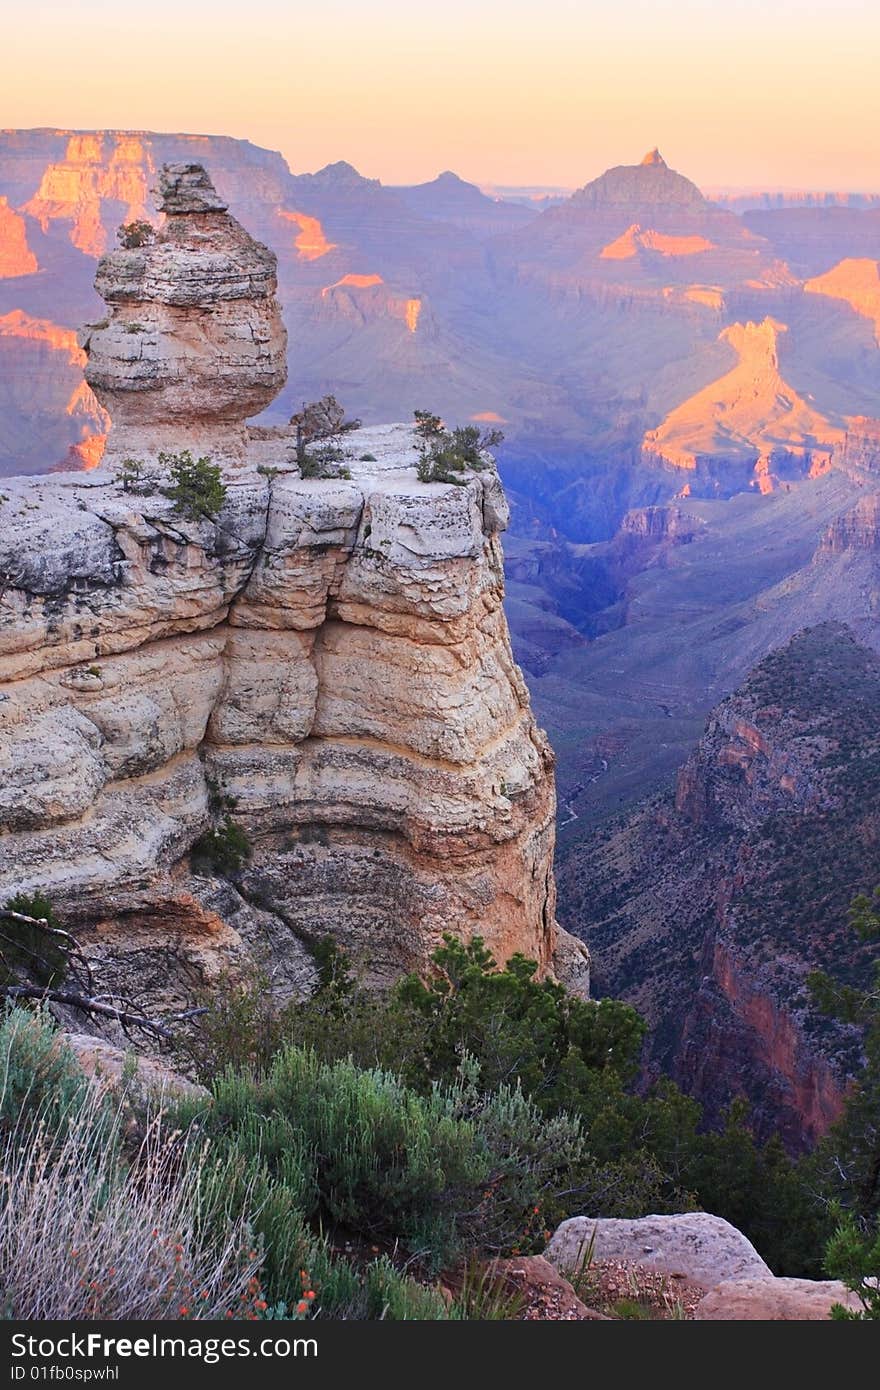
x,y
88,1005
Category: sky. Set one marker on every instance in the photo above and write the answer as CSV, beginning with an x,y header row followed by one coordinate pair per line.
x,y
742,93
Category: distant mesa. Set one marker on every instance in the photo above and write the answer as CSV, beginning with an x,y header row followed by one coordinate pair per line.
x,y
634,240
449,198
648,183
341,178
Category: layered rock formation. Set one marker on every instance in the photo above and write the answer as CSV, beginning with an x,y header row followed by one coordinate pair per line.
x,y
16,257
860,449
331,653
194,343
857,529
708,907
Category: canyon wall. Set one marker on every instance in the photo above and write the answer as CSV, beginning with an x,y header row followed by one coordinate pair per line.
x,y
325,662
708,907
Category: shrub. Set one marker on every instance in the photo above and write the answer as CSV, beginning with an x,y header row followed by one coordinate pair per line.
x,y
428,425
441,1172
196,490
223,849
131,475
90,1229
324,420
39,1076
853,1255
445,455
134,234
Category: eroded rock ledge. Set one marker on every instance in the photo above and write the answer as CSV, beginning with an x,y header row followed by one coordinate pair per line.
x,y
331,652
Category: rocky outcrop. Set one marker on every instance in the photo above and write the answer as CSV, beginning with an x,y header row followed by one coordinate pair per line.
x,y
194,342
144,1080
330,654
543,1293
860,448
703,1248
856,529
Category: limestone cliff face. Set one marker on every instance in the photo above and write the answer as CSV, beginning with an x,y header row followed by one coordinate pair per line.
x,y
331,652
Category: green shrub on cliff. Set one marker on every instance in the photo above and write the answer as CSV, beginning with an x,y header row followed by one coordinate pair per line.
x,y
196,488
853,1255
444,1172
133,235
444,455
223,849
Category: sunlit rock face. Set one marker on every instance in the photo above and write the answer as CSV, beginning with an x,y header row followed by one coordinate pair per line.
x,y
194,338
750,416
332,653
16,257
857,282
42,389
75,188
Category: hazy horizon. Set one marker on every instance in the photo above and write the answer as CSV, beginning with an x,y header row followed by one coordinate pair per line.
x,y
499,92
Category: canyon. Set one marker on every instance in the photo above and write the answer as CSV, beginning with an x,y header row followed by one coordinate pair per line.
x,y
586,328
690,393
324,663
708,905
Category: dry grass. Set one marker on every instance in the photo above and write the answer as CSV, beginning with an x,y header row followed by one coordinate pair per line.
x,y
86,1234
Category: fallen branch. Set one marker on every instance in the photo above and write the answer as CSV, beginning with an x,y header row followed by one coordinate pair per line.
x,y
96,1006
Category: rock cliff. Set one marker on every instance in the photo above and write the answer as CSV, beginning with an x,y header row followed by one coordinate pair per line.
x,y
328,653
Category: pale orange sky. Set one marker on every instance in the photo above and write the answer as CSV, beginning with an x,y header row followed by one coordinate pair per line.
x,y
737,92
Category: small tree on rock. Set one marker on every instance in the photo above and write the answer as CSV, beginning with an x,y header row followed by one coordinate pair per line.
x,y
197,489
321,421
134,234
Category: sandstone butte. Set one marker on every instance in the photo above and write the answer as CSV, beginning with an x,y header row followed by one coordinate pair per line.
x,y
332,653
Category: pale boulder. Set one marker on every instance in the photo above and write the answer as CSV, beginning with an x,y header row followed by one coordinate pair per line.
x,y
705,1249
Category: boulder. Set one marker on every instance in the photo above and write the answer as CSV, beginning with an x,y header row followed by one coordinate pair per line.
x,y
109,1065
546,1296
773,1300
704,1248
